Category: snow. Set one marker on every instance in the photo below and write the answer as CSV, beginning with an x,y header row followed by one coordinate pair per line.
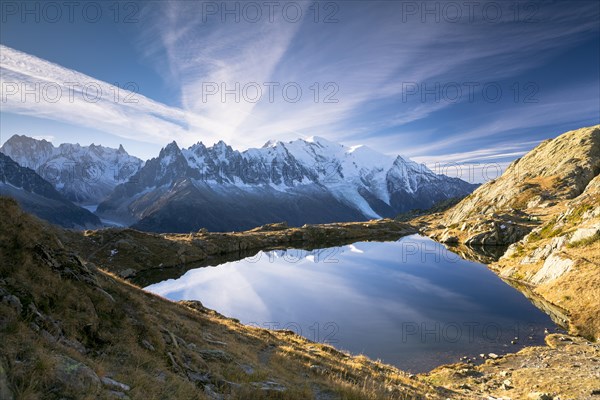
x,y
343,171
87,173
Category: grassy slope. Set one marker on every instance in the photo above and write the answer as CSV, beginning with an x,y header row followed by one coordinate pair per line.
x,y
74,322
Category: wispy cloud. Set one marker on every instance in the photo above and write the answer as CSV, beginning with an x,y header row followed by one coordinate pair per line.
x,y
369,56
32,86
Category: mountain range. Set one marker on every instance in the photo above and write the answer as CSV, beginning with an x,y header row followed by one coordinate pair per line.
x,y
83,174
39,197
222,189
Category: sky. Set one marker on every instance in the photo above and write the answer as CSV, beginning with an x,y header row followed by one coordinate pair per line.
x,y
476,83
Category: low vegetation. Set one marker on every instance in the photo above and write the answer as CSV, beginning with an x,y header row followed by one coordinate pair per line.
x,y
67,327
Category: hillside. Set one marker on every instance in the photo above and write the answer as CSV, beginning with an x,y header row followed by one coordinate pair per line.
x,y
71,330
546,206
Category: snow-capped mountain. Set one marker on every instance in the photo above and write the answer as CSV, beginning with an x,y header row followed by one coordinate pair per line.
x,y
39,197
83,174
303,181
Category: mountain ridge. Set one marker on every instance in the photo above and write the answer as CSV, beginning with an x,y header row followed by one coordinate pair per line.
x,y
39,197
83,174
329,182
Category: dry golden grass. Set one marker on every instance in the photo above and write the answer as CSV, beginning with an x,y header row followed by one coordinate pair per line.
x,y
77,308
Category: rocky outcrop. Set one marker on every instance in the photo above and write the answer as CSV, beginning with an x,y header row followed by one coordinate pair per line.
x,y
546,207
128,252
496,233
585,233
542,252
554,267
557,169
74,376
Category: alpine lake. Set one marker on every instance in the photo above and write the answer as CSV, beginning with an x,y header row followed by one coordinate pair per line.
x,y
411,303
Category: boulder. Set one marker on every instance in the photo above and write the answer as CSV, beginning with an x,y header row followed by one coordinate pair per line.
x,y
541,253
585,233
75,376
554,267
448,238
111,383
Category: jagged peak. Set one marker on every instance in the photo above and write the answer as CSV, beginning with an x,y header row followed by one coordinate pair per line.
x,y
172,146
17,139
221,147
169,150
270,143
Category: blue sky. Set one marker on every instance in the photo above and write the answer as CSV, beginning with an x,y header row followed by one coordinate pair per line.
x,y
440,82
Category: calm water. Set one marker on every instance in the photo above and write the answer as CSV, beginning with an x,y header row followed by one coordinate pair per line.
x,y
410,303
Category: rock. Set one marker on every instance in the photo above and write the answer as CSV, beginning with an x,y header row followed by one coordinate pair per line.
x,y
147,345
269,386
585,233
541,253
75,375
248,369
215,355
198,378
540,396
127,273
450,239
73,343
211,392
106,381
14,302
493,356
554,267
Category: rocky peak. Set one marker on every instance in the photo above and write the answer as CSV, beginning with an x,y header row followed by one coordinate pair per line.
x,y
557,169
27,151
270,143
170,149
70,162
